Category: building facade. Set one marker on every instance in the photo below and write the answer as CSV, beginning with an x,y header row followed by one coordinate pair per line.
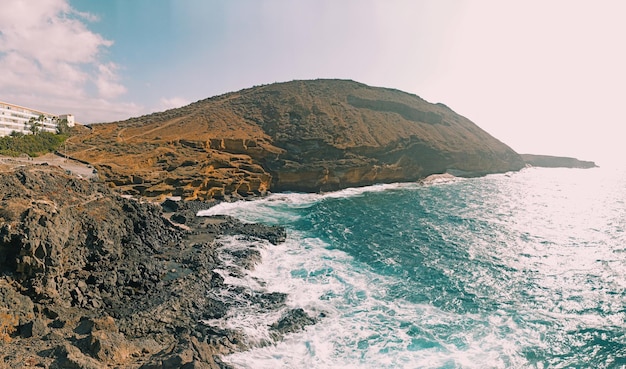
x,y
69,118
15,118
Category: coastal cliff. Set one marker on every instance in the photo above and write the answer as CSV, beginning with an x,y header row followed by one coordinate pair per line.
x,y
94,280
548,161
310,136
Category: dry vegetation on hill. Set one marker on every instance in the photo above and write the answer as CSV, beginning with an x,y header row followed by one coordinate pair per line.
x,y
303,135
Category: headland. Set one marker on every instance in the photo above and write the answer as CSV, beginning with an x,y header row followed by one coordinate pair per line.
x,y
101,268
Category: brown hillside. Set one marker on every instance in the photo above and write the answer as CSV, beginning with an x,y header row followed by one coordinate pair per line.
x,y
300,135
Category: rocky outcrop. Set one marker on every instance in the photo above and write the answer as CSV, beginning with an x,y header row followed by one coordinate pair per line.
x,y
94,280
303,135
547,161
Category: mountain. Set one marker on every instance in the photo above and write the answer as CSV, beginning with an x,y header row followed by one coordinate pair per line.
x,y
316,135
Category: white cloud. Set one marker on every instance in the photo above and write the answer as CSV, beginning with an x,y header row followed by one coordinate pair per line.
x,y
107,84
171,103
47,53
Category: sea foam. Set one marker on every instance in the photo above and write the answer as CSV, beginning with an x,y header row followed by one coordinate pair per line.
x,y
503,271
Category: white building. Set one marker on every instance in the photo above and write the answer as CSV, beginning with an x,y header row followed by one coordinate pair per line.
x,y
69,118
15,118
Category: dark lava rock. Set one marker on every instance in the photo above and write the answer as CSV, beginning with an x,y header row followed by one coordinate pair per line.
x,y
170,205
293,321
36,328
93,280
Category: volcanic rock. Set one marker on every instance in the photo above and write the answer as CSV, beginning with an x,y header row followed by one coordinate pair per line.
x,y
91,279
293,321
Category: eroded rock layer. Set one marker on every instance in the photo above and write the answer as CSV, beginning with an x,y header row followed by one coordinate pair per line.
x,y
313,136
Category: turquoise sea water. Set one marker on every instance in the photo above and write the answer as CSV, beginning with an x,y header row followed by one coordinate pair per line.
x,y
523,270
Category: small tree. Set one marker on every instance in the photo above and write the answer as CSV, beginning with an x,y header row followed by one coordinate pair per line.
x,y
63,127
35,124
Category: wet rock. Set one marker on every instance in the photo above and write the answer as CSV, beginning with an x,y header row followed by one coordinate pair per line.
x,y
227,225
214,309
293,321
246,257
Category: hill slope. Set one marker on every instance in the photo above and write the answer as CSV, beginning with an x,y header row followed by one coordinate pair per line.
x,y
314,135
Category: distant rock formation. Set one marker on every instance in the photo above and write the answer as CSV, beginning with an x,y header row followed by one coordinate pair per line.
x,y
547,161
310,136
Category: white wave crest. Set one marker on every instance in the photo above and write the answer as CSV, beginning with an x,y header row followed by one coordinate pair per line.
x,y
275,208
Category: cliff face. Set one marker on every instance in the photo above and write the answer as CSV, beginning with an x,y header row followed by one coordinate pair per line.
x,y
301,135
547,161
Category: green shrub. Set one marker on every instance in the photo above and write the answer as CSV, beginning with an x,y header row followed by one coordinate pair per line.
x,y
33,145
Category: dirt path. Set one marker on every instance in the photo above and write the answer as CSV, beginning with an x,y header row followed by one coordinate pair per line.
x,y
76,168
122,138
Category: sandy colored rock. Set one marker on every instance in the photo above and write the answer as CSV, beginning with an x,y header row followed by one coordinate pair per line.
x,y
303,135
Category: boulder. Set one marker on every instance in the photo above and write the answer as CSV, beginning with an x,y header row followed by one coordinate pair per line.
x,y
294,320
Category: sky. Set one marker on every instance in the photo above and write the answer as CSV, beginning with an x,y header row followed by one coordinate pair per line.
x,y
545,77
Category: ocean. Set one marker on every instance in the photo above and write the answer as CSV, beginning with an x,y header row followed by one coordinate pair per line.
x,y
515,270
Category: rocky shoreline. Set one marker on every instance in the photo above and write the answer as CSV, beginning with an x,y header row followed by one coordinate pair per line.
x,y
91,279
